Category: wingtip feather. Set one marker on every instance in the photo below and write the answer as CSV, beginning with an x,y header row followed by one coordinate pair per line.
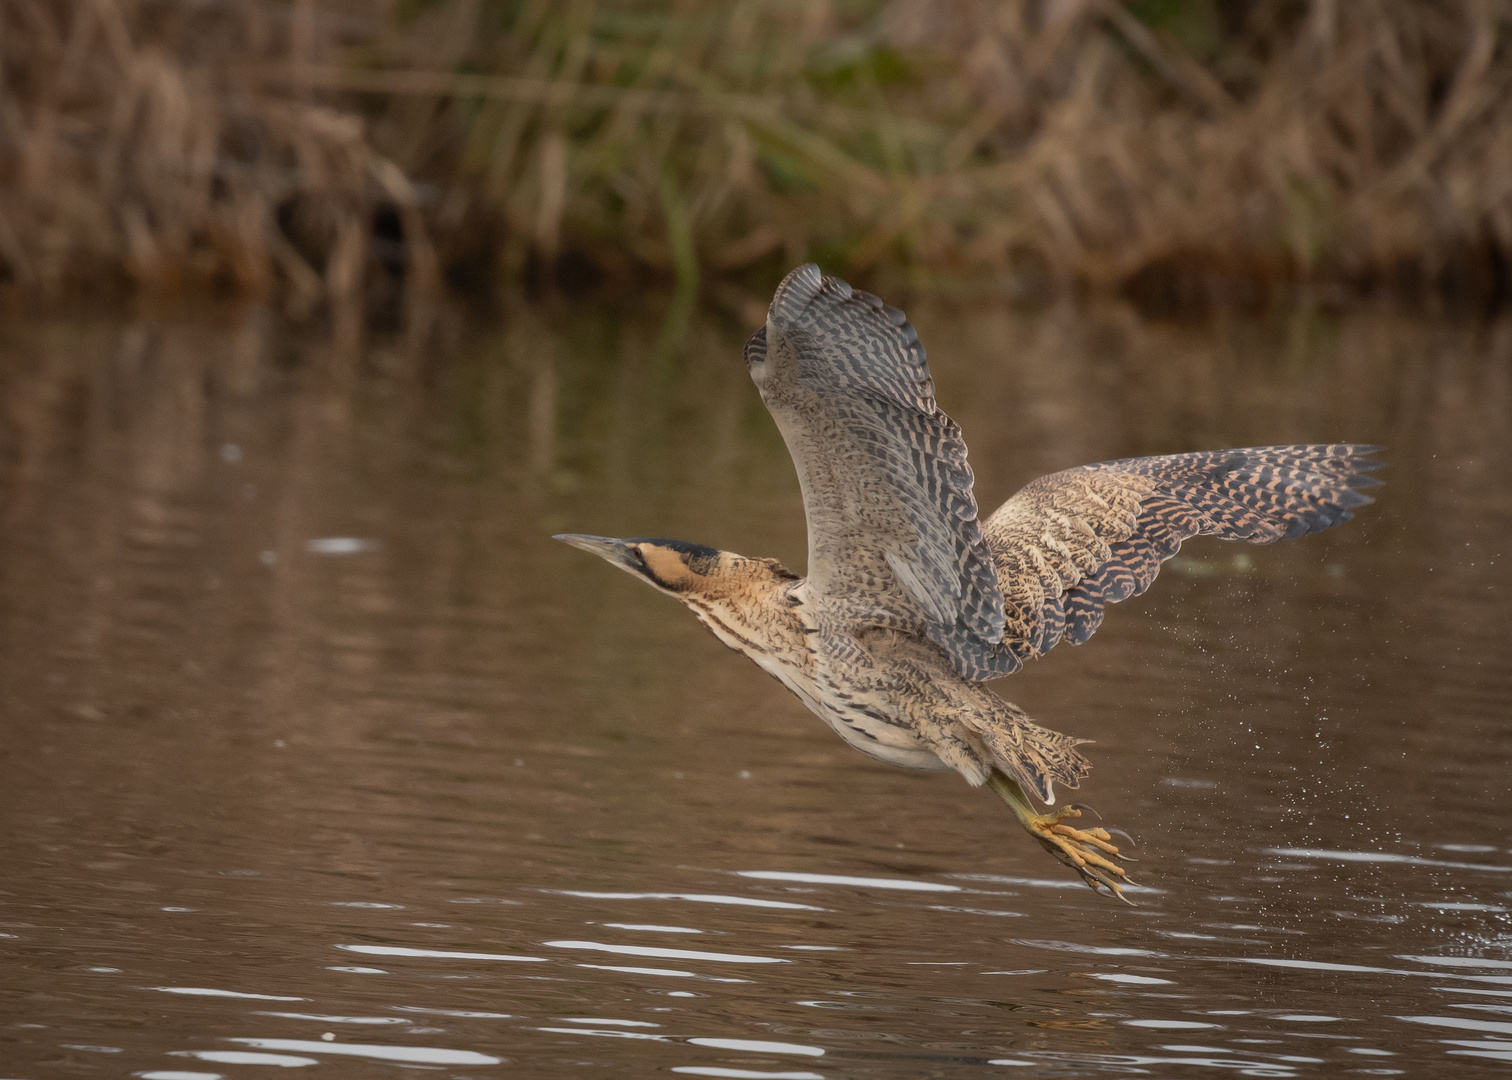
x,y
795,293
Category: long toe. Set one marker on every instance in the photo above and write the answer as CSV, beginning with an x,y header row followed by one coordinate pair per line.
x,y
1087,852
1090,852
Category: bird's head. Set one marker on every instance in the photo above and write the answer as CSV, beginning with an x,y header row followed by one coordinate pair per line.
x,y
680,568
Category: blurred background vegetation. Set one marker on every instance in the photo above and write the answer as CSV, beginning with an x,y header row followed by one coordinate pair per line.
x,y
1182,152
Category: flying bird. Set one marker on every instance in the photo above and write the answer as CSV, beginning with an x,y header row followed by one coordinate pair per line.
x,y
911,603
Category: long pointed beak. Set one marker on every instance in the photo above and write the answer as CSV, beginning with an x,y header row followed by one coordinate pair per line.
x,y
618,552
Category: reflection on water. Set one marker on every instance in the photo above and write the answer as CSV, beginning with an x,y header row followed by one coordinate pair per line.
x,y
319,754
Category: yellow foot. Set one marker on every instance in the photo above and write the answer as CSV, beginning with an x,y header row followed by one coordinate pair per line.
x,y
1089,852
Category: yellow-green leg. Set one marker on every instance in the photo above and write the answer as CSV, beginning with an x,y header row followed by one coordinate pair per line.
x,y
1086,851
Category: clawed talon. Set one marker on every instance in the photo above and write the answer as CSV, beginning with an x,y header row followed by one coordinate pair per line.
x,y
1087,851
1132,842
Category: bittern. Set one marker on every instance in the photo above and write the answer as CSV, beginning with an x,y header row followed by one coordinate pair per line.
x,y
910,604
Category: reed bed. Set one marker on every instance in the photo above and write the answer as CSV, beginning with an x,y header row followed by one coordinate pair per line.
x,y
1182,150
145,143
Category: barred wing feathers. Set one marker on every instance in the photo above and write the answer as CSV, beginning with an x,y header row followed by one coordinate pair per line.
x,y
1070,543
892,523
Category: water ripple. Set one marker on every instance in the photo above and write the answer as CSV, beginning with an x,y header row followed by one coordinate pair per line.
x,y
696,898
1459,961
841,879
759,1046
608,1034
1384,857
424,1055
337,1019
1493,1026
741,1074
669,972
666,954
246,1057
1363,969
1495,1050
440,954
202,991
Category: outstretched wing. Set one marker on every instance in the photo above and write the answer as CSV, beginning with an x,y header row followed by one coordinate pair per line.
x,y
1072,542
892,524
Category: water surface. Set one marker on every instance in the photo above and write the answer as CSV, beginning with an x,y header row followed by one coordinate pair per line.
x,y
319,754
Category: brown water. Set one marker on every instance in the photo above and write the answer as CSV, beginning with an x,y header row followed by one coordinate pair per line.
x,y
317,752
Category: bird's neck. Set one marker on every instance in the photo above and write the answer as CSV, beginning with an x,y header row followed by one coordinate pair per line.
x,y
759,619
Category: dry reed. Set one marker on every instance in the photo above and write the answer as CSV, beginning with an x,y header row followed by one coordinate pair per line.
x,y
1031,143
141,142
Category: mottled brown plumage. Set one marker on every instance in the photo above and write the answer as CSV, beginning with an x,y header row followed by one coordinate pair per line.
x,y
910,603
1073,541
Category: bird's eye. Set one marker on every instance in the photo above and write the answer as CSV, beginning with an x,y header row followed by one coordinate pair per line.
x,y
644,565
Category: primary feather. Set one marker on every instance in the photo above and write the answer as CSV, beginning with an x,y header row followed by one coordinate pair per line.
x,y
886,486
1068,544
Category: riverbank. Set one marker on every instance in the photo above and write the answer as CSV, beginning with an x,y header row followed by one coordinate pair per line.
x,y
1186,155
